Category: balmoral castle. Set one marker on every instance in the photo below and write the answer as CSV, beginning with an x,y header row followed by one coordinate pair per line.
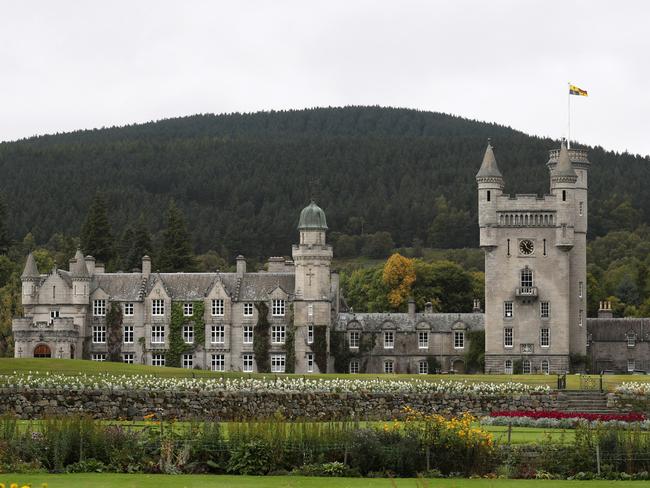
x,y
534,320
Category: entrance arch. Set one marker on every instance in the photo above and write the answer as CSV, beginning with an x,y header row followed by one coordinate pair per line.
x,y
42,351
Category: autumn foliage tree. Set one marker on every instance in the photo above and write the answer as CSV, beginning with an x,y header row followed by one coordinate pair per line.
x,y
399,276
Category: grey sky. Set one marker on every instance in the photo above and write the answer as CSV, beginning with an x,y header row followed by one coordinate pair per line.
x,y
70,65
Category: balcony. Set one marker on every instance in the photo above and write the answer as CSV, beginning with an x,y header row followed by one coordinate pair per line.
x,y
526,292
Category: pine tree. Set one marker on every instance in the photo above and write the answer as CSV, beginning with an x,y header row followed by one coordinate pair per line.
x,y
176,253
96,238
141,244
5,241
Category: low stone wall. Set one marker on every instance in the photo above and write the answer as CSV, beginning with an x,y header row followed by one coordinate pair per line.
x,y
628,402
187,405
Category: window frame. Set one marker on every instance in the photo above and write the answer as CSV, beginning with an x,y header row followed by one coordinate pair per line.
x,y
508,304
310,362
218,307
389,366
421,370
157,334
389,339
128,358
128,309
526,278
99,333
248,363
354,366
545,314
99,307
545,366
278,334
505,337
548,337
217,331
188,309
278,363
423,344
188,334
526,366
631,362
508,368
278,307
631,340
218,362
187,361
128,332
459,334
310,334
158,360
158,307
99,357
354,339
248,309
247,332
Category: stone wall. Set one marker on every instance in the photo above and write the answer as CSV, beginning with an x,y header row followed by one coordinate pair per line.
x,y
188,405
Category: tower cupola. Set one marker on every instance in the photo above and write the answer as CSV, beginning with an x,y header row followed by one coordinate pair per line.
x,y
312,217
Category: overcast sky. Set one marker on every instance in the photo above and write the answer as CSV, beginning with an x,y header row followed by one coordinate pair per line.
x,y
70,65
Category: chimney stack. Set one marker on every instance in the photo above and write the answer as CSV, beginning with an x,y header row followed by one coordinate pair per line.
x,y
428,307
477,306
411,307
605,310
241,266
146,266
90,264
275,265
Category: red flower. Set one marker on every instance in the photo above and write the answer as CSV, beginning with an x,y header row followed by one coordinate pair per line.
x,y
603,417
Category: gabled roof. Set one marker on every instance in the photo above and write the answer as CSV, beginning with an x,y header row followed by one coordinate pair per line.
x,y
439,322
257,286
489,168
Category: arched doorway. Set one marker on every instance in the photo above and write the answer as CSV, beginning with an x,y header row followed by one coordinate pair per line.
x,y
458,366
42,351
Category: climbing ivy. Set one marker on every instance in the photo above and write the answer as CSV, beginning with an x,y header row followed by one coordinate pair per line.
x,y
114,320
290,343
319,347
261,338
177,346
475,355
342,353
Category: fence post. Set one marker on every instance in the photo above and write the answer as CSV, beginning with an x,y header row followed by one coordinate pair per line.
x,y
598,458
509,432
428,458
601,381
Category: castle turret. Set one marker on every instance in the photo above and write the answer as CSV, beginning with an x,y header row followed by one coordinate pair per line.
x,y
312,257
30,280
563,185
490,188
80,279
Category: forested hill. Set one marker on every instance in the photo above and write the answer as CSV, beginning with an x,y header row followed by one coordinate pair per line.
x,y
241,179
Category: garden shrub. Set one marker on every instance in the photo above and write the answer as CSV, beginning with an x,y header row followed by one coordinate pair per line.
x,y
251,458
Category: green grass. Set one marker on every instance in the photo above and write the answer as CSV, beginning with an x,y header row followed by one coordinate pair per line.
x,y
75,366
212,481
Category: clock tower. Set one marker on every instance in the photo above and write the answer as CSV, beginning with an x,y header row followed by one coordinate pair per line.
x,y
535,267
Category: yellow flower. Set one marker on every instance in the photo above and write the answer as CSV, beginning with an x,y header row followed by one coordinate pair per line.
x,y
13,485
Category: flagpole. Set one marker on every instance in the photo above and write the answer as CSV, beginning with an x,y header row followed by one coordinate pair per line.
x,y
568,139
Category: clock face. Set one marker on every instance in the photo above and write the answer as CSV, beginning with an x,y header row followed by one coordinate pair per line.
x,y
526,247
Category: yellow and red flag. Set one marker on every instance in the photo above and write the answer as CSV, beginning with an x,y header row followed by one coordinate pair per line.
x,y
574,90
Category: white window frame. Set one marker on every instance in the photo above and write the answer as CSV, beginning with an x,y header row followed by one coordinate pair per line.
x,y
248,363
310,334
99,334
248,334
128,357
580,289
99,308
278,363
547,342
459,339
353,366
631,365
508,309
188,309
278,334
218,362
54,314
278,307
423,339
423,367
218,307
128,309
389,339
579,318
248,309
545,366
508,337
631,340
545,310
158,307
526,367
389,366
158,360
310,362
157,334
188,334
508,366
218,334
187,361
98,356
526,278
127,334
354,339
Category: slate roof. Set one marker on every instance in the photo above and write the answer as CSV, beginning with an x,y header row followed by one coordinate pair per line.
x,y
489,168
257,286
119,286
440,322
564,166
31,269
617,329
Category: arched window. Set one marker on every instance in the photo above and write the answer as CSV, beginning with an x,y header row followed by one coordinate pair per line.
x,y
526,277
525,366
507,366
545,366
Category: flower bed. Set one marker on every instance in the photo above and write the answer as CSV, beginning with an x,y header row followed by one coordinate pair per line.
x,y
592,417
261,385
633,388
561,423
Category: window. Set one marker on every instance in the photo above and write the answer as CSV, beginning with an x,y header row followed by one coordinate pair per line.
x,y
218,308
423,367
526,278
459,339
580,208
508,247
631,365
310,310
188,309
218,334
525,366
54,314
355,337
507,309
423,339
247,363
157,359
631,340
507,337
248,334
545,337
310,362
158,307
580,318
218,362
544,310
354,366
544,247
99,308
278,363
488,195
277,334
157,334
389,366
99,356
248,309
128,309
544,366
580,289
128,358
389,339
99,334
564,195
188,334
127,334
310,334
507,366
278,308
188,361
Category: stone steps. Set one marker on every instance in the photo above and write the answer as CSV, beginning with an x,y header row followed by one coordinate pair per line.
x,y
583,401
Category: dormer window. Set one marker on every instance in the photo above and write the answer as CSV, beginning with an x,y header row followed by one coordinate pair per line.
x,y
631,340
278,308
99,308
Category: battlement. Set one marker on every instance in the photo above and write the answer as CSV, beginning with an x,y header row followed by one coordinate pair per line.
x,y
575,155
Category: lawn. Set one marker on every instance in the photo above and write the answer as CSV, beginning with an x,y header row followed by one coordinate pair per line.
x,y
73,366
209,481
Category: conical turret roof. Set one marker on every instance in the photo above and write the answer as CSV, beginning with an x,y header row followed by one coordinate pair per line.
x,y
489,168
31,270
564,166
78,269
